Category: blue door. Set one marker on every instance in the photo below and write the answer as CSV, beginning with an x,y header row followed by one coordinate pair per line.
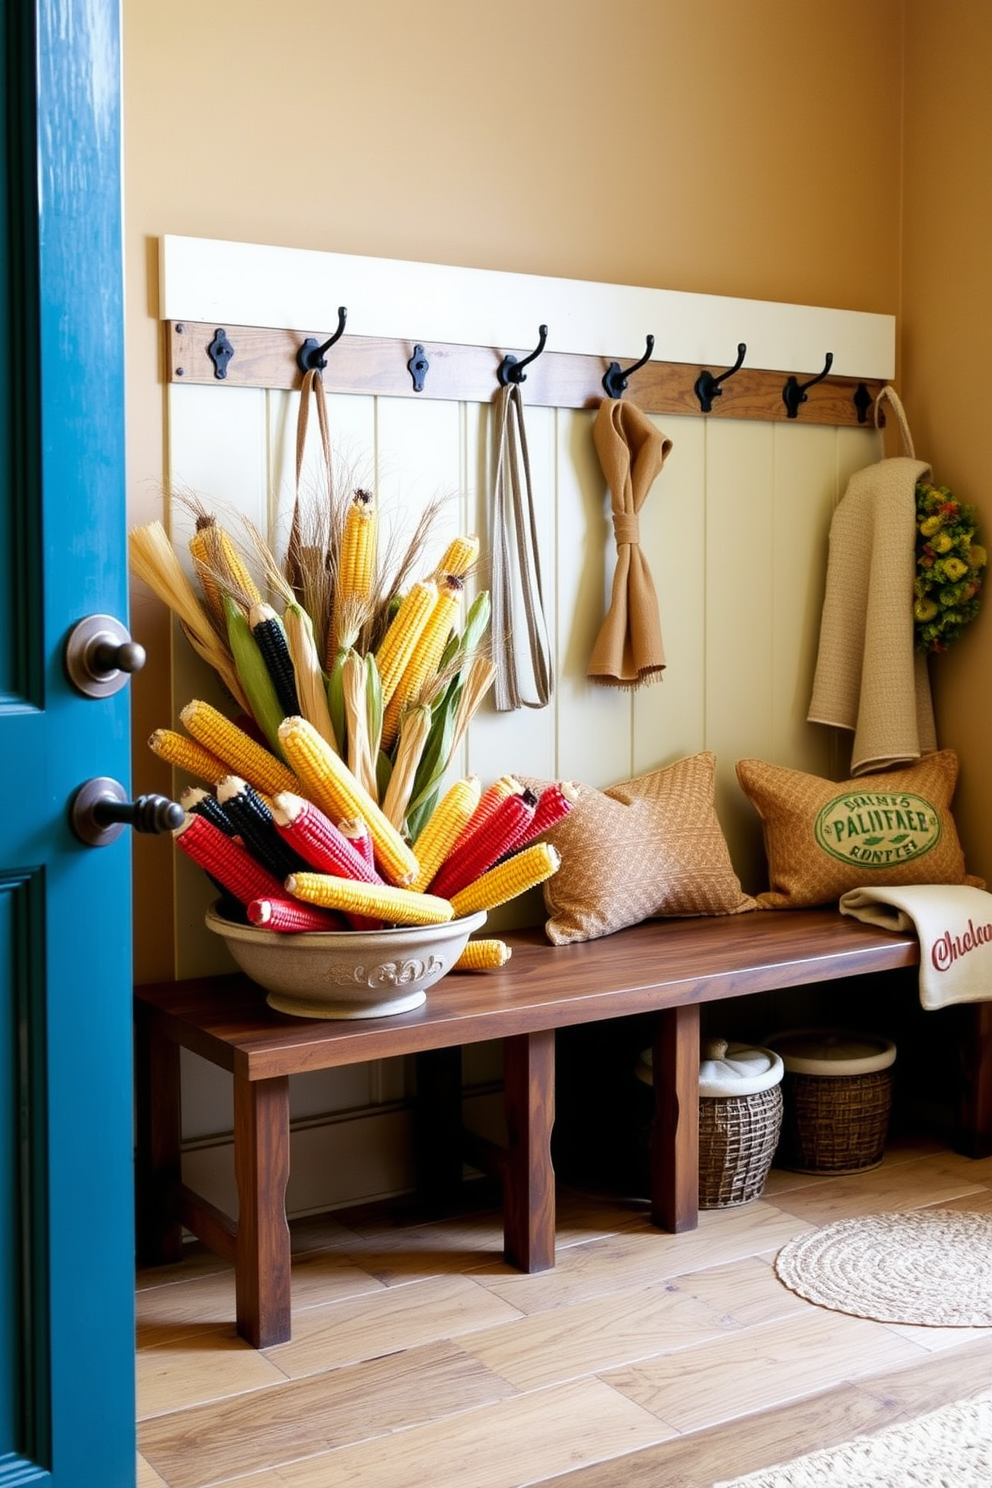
x,y
66,1221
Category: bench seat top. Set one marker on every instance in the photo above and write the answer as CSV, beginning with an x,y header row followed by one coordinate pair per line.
x,y
656,964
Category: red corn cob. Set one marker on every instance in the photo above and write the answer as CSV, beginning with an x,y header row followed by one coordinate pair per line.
x,y
357,832
292,915
499,835
489,802
554,802
226,861
315,837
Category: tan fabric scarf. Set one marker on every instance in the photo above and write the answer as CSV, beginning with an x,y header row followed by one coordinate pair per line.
x,y
869,678
629,650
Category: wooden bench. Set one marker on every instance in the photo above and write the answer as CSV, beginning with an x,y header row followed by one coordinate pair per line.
x,y
665,967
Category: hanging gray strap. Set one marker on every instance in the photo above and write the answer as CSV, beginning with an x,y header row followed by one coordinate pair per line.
x,y
514,536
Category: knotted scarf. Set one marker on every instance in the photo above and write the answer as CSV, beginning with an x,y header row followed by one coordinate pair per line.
x,y
629,650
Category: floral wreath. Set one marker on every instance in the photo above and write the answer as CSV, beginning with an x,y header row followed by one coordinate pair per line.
x,y
949,565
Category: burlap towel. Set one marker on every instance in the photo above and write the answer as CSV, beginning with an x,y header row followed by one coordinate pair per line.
x,y
628,650
868,676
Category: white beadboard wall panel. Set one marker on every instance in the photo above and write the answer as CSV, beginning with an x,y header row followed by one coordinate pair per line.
x,y
739,650
734,530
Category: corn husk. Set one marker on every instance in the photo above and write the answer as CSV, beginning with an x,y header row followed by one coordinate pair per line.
x,y
415,726
311,684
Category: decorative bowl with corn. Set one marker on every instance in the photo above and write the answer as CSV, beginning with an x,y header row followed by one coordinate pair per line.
x,y
322,816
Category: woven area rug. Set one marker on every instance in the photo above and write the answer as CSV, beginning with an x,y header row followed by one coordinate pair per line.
x,y
931,1266
947,1448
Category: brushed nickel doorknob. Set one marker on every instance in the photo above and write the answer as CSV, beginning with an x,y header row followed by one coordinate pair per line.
x,y
100,810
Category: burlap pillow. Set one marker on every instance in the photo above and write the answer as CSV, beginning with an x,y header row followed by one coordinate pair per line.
x,y
823,837
649,846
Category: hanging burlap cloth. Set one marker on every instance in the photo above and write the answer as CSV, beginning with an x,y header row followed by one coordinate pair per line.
x,y
628,650
869,678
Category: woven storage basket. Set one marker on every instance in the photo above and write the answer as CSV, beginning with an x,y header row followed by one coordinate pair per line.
x,y
738,1133
837,1093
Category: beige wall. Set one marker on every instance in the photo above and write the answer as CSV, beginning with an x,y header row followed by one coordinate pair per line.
x,y
727,149
947,325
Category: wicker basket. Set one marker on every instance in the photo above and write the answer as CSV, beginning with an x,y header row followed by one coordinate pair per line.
x,y
738,1133
737,1140
834,1122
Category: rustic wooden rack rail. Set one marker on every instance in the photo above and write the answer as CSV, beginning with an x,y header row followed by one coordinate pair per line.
x,y
265,358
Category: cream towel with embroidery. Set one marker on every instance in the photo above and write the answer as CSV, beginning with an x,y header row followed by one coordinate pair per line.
x,y
954,925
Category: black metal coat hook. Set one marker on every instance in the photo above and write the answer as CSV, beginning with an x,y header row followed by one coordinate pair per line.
x,y
615,377
510,370
310,357
794,393
707,387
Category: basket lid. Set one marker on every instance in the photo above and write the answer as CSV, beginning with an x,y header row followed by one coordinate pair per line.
x,y
727,1069
832,1051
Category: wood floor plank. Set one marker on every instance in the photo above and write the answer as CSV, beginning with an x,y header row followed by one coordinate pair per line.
x,y
566,1342
147,1477
209,1365
316,1414
526,1439
644,1256
698,1459
934,1181
746,1291
393,1318
754,1368
167,1313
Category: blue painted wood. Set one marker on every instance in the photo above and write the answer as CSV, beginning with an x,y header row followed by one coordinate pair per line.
x,y
66,1247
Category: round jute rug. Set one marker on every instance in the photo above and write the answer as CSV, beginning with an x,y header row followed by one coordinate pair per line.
x,y
930,1266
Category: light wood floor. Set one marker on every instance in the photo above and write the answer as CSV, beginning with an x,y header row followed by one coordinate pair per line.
x,y
419,1359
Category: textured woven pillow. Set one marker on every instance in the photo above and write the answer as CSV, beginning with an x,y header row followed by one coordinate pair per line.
x,y
649,846
823,837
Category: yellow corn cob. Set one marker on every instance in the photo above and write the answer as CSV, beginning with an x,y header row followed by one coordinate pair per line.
x,y
403,634
445,824
239,752
356,557
426,655
525,869
329,784
186,754
219,568
458,557
378,901
483,955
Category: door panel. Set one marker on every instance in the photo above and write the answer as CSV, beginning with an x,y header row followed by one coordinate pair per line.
x,y
66,1249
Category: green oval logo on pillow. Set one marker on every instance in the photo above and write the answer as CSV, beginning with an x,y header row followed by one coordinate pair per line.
x,y
877,829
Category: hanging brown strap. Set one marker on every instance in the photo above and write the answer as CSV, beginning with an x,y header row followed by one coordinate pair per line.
x,y
515,554
890,394
313,386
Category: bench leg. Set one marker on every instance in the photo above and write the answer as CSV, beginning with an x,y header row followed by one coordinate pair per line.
x,y
529,1180
973,1136
261,1167
675,1143
157,1149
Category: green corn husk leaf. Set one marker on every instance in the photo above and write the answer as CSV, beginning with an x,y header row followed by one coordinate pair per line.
x,y
461,647
253,674
417,820
373,692
383,772
434,760
335,701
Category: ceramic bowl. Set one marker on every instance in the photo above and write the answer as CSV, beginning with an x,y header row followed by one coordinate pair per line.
x,y
346,973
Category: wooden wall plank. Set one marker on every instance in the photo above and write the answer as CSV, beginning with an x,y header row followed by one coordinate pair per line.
x,y
459,373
